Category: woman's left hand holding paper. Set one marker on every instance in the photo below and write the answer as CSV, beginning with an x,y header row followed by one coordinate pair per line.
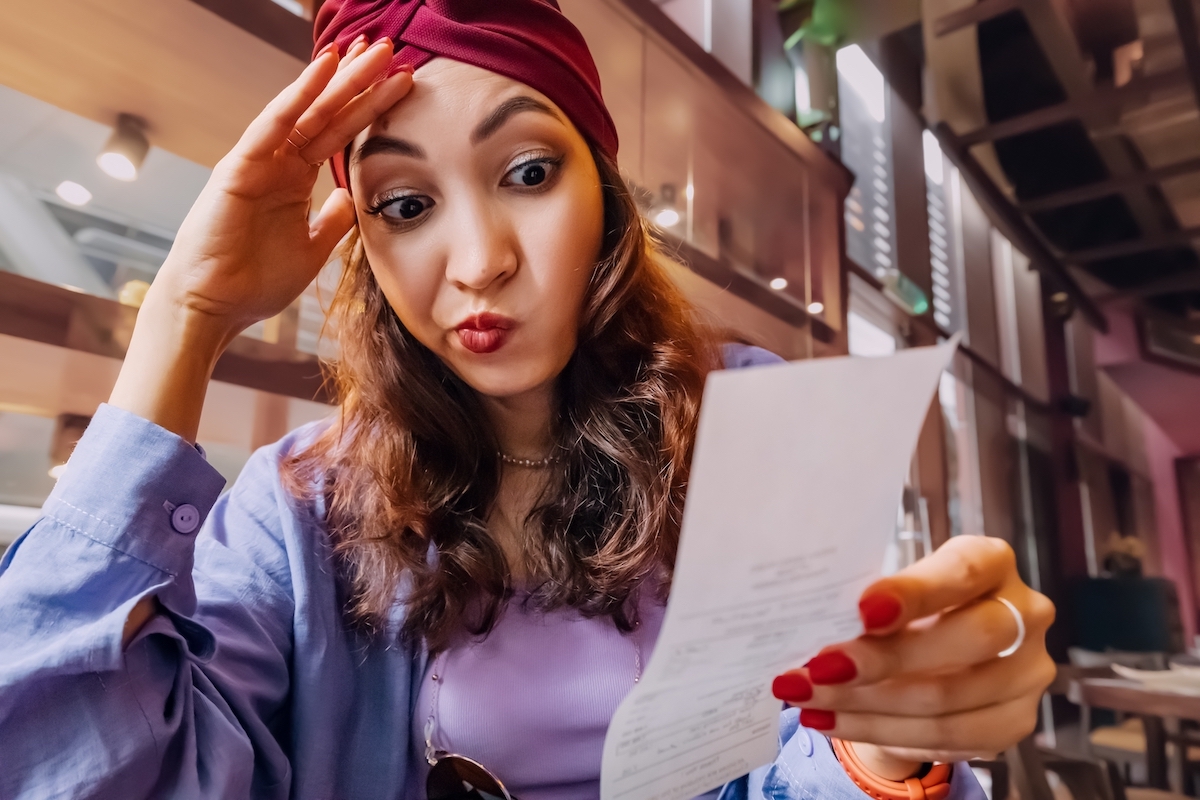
x,y
927,681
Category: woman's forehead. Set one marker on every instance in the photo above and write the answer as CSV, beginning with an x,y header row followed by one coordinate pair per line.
x,y
445,90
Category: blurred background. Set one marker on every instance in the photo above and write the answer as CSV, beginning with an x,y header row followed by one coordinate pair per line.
x,y
836,177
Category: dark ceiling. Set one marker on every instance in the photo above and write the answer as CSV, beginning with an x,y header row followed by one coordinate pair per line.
x,y
1018,80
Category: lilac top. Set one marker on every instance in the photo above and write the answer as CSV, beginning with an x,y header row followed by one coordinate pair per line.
x,y
532,700
248,684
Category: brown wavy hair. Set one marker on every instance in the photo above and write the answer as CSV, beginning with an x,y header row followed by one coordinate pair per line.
x,y
409,472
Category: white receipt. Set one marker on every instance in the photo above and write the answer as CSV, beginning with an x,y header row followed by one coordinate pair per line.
x,y
797,474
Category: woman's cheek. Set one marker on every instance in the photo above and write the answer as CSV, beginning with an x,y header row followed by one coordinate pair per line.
x,y
410,291
577,223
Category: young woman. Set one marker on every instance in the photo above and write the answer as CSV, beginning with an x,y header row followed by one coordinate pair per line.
x,y
471,559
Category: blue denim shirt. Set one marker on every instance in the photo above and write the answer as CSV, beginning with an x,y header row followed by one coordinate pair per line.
x,y
248,685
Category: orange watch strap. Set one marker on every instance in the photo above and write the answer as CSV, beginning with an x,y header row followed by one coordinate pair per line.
x,y
934,786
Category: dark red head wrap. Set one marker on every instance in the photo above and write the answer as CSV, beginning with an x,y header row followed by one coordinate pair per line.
x,y
527,40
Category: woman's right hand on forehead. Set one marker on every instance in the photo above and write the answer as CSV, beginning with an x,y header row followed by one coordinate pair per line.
x,y
248,248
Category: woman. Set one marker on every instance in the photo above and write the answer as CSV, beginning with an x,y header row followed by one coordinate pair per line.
x,y
472,557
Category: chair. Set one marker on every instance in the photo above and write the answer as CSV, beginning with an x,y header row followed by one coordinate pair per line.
x,y
1025,765
1125,742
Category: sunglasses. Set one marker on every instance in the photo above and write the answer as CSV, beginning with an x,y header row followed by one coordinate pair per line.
x,y
454,777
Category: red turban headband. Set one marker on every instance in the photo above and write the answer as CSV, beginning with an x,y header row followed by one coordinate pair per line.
x,y
527,40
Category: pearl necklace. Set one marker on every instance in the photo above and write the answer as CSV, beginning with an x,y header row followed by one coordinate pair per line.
x,y
529,463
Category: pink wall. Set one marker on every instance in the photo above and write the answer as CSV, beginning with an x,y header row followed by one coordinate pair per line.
x,y
1120,344
1161,453
1150,386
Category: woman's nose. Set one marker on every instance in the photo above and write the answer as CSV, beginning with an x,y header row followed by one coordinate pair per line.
x,y
484,249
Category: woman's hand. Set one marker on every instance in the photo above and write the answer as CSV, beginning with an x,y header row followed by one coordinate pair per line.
x,y
925,682
248,248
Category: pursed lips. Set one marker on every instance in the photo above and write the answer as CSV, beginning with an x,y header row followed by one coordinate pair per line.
x,y
485,332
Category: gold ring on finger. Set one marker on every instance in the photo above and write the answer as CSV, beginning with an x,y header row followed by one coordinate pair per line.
x,y
297,139
1020,620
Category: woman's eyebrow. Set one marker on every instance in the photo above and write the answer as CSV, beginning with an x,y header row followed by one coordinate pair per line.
x,y
506,111
387,144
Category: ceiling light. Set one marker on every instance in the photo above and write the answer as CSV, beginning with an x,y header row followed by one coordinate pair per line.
x,y
778,284
666,218
865,79
126,149
71,192
816,307
133,293
935,165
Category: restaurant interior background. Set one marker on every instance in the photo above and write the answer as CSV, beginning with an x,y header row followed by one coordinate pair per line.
x,y
835,176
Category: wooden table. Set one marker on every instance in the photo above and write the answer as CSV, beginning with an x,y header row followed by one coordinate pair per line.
x,y
1157,709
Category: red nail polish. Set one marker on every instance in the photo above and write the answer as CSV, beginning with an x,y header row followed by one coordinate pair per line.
x,y
879,610
792,687
831,667
817,719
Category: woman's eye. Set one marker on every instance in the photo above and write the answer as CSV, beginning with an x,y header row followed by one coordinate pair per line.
x,y
404,208
531,173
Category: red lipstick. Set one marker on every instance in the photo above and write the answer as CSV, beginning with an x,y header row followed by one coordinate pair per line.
x,y
484,333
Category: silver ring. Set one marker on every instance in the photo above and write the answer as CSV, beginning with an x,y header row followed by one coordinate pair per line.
x,y
298,145
1015,646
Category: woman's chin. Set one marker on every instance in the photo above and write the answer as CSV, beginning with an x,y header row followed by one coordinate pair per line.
x,y
502,379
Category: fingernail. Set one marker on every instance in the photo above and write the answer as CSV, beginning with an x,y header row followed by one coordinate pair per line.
x,y
327,49
831,667
879,610
792,687
384,41
403,68
817,719
361,39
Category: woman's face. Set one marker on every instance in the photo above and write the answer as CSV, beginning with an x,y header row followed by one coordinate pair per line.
x,y
482,216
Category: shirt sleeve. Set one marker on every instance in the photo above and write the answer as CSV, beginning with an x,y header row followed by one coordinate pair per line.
x,y
807,767
173,714
740,356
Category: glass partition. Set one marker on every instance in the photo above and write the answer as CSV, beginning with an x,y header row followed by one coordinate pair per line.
x,y
64,220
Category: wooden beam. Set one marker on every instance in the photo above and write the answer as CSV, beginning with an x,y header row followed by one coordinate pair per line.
x,y
1189,38
1187,281
1005,216
43,312
1100,100
972,15
1051,27
1111,186
268,21
1146,244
